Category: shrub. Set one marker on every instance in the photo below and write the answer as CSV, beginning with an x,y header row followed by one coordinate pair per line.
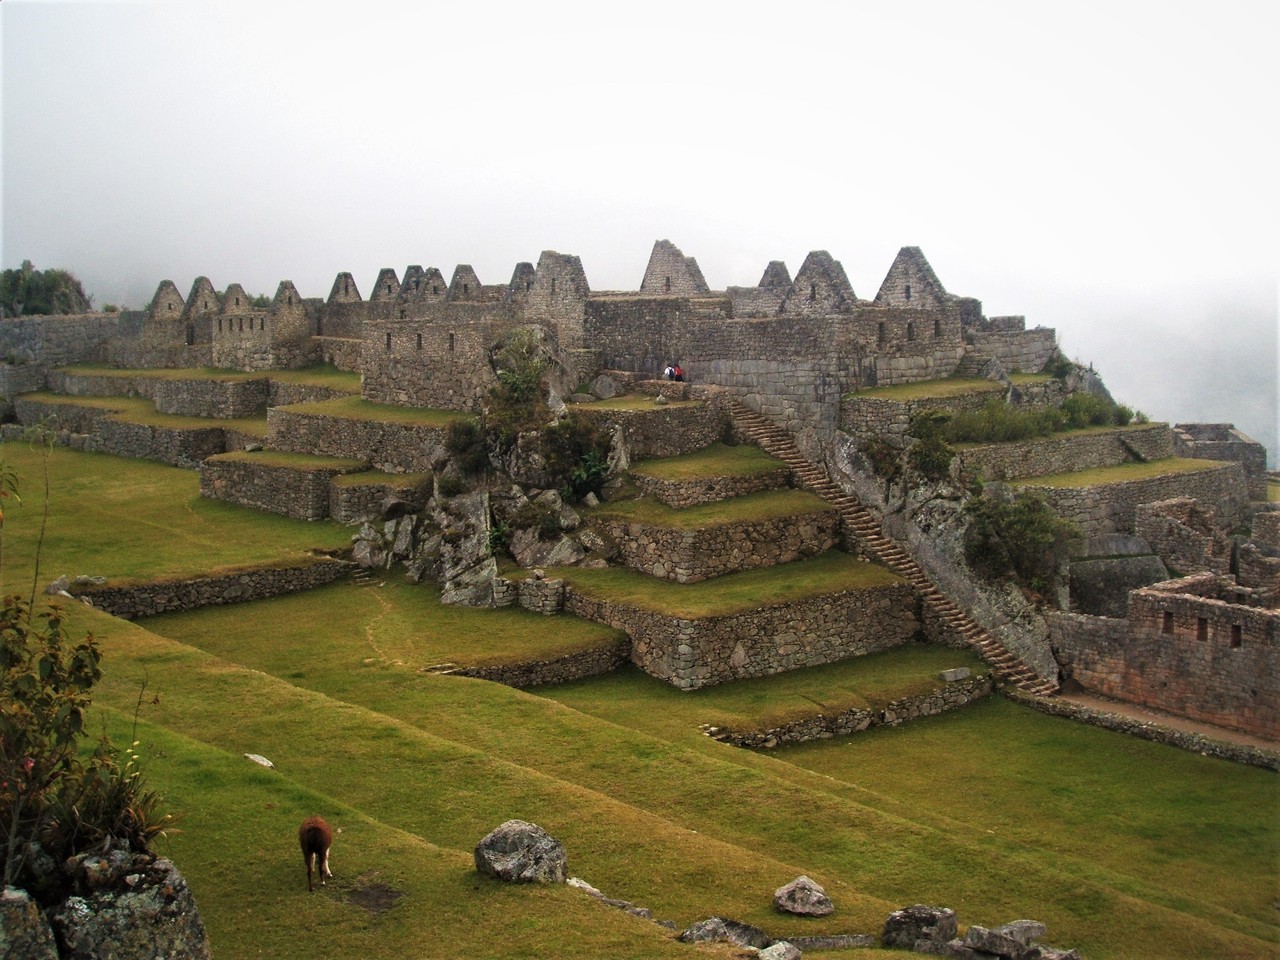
x,y
577,456
450,485
1022,537
930,455
884,457
466,441
1058,366
1087,410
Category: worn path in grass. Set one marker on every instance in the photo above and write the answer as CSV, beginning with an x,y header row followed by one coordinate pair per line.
x,y
847,837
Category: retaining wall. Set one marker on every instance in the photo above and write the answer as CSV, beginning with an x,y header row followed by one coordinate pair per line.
x,y
393,447
167,596
1062,453
692,653
300,492
1020,351
566,669
691,493
866,417
662,430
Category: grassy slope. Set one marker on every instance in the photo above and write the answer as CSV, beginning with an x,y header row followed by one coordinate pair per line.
x,y
1123,473
752,508
143,411
717,460
998,812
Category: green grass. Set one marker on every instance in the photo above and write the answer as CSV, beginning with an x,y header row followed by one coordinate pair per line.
x,y
1057,435
398,481
931,389
295,461
143,411
717,460
319,376
1273,491
1123,473
755,507
734,593
633,402
356,408
128,519
1123,847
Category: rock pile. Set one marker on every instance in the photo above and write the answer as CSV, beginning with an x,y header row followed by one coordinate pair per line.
x,y
932,931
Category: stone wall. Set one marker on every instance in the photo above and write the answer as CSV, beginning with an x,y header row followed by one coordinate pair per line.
x,y
341,352
219,399
1065,452
960,693
79,384
1222,441
58,341
1109,508
866,417
166,596
96,430
691,492
1019,351
662,430
357,502
1183,535
392,447
692,653
1266,528
1196,656
575,666
687,556
251,480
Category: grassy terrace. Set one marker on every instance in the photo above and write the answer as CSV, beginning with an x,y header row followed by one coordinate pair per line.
x,y
356,408
931,389
829,573
295,461
717,460
634,401
127,519
319,376
401,481
1125,848
142,411
1122,473
1057,435
766,505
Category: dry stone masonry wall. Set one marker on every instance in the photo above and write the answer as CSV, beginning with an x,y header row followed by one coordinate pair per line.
x,y
301,492
692,492
1066,452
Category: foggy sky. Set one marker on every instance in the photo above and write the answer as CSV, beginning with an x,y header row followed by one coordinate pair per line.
x,y
1106,169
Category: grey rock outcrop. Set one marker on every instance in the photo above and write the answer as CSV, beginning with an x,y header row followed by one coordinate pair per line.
x,y
782,950
24,931
718,930
522,852
905,927
803,897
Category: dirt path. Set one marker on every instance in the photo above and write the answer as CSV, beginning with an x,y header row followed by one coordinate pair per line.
x,y
1136,712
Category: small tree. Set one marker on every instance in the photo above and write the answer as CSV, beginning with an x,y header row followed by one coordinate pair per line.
x,y
1022,537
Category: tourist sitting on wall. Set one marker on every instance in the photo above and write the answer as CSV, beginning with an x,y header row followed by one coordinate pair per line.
x,y
677,373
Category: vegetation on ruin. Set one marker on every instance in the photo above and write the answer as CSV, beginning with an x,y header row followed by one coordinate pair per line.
x,y
828,573
27,291
294,461
1000,422
634,401
1122,473
755,507
1021,536
931,389
717,460
143,411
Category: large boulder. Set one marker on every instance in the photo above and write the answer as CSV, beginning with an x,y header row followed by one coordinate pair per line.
x,y
129,907
804,897
522,852
718,930
920,922
782,950
24,931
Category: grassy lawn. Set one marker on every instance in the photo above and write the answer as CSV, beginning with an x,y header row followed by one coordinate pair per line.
x,y
1056,435
1100,476
400,481
931,389
296,461
318,376
717,460
356,408
126,519
634,401
724,596
766,505
1273,491
1124,848
143,411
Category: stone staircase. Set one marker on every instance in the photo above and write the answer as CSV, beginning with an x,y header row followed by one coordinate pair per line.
x,y
859,522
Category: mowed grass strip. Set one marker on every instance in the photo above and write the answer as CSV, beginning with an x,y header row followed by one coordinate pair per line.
x,y
398,481
357,408
717,460
1123,473
752,508
828,573
318,376
295,461
348,627
143,411
634,402
931,389
135,519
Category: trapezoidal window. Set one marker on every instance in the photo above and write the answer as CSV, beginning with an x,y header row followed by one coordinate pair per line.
x,y
262,323
388,341
319,326
416,284
346,287
219,324
466,288
528,285
937,328
880,335
191,334
242,324
289,299
1202,629
1166,625
553,286
388,288
911,330
402,313
813,292
1237,635
451,343
907,291
435,289
666,284
419,341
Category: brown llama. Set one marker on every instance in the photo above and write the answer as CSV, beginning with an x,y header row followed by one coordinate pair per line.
x,y
315,837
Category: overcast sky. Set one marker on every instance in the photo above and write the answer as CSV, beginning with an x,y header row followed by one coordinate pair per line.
x,y
1105,168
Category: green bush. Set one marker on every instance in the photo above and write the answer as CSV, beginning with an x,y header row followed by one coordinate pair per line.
x,y
930,455
1023,538
466,441
884,457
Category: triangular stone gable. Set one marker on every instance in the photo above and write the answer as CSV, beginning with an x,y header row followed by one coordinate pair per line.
x,y
434,286
560,276
776,277
911,282
286,298
203,298
167,303
386,287
235,300
671,273
344,289
465,285
521,281
820,288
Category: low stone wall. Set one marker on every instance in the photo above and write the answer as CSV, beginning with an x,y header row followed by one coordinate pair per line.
x,y
687,556
663,430
866,417
167,596
1062,453
300,492
66,416
16,378
693,653
1109,508
957,694
690,493
282,394
1222,441
393,447
355,503
1019,351
218,399
341,352
1149,730
1266,528
179,448
566,669
77,384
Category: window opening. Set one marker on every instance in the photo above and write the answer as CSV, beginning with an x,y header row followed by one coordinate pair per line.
x,y
1202,629
1236,635
1167,625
